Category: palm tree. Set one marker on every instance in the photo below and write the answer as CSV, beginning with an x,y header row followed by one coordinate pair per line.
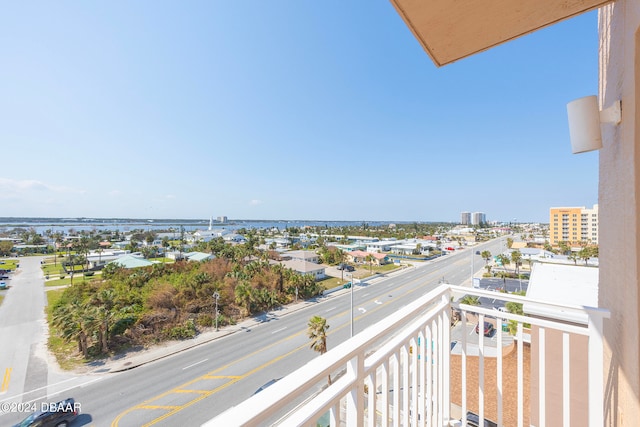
x,y
564,247
369,258
470,300
573,257
83,249
244,296
504,260
317,332
75,321
104,302
341,256
516,257
486,256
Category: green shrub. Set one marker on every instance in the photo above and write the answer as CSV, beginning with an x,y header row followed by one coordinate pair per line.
x,y
205,320
122,325
184,331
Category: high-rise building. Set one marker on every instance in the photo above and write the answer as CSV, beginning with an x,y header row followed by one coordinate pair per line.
x,y
478,218
465,218
573,225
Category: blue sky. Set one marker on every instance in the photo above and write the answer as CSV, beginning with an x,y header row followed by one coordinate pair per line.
x,y
282,110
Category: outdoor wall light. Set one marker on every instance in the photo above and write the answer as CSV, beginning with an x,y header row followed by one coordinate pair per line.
x,y
584,122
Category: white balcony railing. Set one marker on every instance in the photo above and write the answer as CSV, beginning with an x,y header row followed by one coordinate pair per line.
x,y
389,375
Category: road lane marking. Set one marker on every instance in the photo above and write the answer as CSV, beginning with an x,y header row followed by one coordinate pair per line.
x,y
160,407
5,381
378,302
278,330
44,387
217,377
49,396
192,365
328,310
362,310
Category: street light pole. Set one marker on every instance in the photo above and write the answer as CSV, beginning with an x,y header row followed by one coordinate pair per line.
x,y
216,296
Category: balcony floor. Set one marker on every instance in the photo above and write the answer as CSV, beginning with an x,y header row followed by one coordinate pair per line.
x,y
509,384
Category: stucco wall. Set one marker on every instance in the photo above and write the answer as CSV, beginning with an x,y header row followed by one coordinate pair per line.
x,y
578,378
619,212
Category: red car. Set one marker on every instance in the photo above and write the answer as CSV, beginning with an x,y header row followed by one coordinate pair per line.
x,y
488,329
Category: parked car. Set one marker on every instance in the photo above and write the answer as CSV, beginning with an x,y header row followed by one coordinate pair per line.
x,y
3,285
345,267
488,329
59,414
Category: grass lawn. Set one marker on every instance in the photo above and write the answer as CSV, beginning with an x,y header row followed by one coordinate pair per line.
x,y
332,282
52,269
163,260
9,264
1,298
67,280
365,271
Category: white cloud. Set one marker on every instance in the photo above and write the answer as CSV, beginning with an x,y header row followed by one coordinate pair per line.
x,y
115,193
11,188
255,202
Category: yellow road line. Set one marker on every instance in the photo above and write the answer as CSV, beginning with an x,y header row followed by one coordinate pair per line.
x,y
191,391
6,380
217,377
160,407
204,394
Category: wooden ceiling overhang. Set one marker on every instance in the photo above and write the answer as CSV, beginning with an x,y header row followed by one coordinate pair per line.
x,y
450,30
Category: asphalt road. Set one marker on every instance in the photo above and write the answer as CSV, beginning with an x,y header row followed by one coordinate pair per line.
x,y
195,385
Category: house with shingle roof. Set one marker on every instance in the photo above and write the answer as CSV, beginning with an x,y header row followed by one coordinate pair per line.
x,y
360,257
308,256
304,267
198,256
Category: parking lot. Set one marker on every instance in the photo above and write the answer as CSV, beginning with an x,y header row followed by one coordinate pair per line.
x,y
468,327
496,284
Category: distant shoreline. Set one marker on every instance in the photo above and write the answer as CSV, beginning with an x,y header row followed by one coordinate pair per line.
x,y
125,224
